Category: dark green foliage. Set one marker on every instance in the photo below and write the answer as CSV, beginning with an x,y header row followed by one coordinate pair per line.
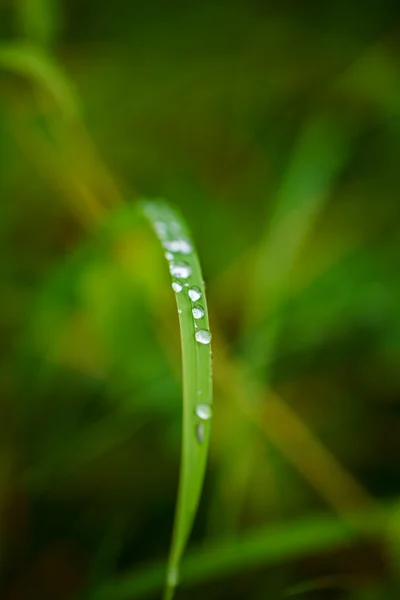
x,y
274,128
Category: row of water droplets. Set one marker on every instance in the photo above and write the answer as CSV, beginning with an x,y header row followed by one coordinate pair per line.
x,y
181,272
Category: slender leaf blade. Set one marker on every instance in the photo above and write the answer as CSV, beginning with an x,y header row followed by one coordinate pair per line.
x,y
267,546
30,61
196,370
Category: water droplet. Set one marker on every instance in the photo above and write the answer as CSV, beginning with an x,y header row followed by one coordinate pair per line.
x,y
179,246
194,294
179,311
203,336
200,432
160,227
198,311
169,256
173,578
204,411
176,286
181,270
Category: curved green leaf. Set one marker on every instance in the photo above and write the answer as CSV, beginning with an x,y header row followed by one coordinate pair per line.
x,y
189,289
29,60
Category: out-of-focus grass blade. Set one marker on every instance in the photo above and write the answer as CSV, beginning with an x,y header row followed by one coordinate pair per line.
x,y
38,20
189,289
374,78
262,547
357,295
320,153
107,554
28,60
75,336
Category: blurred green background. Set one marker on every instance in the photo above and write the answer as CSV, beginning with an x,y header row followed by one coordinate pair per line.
x,y
275,128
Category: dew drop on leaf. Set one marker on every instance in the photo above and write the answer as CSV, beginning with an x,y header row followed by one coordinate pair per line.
x,y
181,270
194,294
203,336
204,411
198,312
178,246
160,227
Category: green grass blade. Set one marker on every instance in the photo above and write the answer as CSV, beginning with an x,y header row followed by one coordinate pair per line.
x,y
28,60
38,20
320,153
189,289
271,545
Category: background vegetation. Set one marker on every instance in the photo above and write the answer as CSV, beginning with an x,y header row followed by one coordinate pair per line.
x,y
275,128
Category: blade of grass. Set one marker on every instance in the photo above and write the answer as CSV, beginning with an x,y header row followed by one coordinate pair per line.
x,y
73,190
197,376
319,154
281,426
71,161
38,20
107,555
24,58
264,547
